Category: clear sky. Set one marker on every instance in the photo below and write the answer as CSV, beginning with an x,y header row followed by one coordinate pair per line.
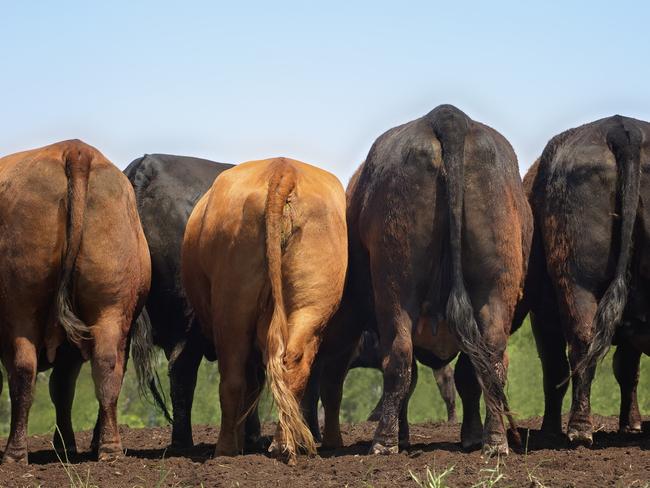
x,y
318,82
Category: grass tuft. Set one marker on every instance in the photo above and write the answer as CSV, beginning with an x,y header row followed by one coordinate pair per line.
x,y
433,479
75,478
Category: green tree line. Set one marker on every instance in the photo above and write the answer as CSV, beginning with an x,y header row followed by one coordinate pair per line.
x,y
361,393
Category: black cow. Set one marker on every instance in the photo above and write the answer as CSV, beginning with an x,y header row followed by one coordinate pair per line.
x,y
439,234
167,188
590,268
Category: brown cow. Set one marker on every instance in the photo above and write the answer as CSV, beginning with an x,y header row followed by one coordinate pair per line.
x,y
263,262
75,270
439,234
589,270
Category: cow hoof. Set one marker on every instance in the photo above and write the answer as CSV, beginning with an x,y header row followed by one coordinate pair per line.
x,y
579,438
15,457
495,450
282,453
378,448
404,445
471,443
335,443
257,444
181,444
64,452
64,448
109,452
635,428
278,450
224,451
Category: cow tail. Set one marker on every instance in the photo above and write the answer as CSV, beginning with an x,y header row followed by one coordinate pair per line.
x,y
294,430
451,126
624,140
77,159
142,349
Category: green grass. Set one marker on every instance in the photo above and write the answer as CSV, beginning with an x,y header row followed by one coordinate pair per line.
x,y
362,390
432,478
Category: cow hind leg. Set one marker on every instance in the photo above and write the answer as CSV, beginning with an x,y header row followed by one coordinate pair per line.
x,y
183,368
445,380
62,388
309,404
107,364
397,350
626,371
333,377
471,431
551,347
493,323
255,376
21,368
232,390
579,333
403,431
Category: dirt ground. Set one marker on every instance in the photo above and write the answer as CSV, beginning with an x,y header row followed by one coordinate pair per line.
x,y
616,460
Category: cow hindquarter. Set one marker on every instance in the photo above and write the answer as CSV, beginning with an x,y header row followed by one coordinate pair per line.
x,y
29,271
314,265
112,278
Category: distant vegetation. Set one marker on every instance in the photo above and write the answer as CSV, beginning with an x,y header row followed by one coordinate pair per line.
x,y
362,390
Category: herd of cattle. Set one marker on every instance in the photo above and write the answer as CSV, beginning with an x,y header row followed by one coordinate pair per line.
x,y
437,249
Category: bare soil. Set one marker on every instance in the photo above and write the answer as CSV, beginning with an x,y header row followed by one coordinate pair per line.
x,y
615,460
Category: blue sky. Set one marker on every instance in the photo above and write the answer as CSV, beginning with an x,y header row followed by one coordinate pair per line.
x,y
315,81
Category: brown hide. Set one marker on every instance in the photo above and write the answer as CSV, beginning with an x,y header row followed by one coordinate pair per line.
x,y
75,264
263,262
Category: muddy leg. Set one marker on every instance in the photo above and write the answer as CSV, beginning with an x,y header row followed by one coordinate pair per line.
x,y
397,350
445,380
626,371
494,323
184,362
404,440
551,347
580,429
21,368
375,415
107,363
579,333
62,388
471,431
495,442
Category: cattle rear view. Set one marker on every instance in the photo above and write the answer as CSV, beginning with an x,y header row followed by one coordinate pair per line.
x,y
263,263
439,231
588,283
74,277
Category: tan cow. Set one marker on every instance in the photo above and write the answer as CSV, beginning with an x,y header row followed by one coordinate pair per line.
x,y
263,262
74,273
